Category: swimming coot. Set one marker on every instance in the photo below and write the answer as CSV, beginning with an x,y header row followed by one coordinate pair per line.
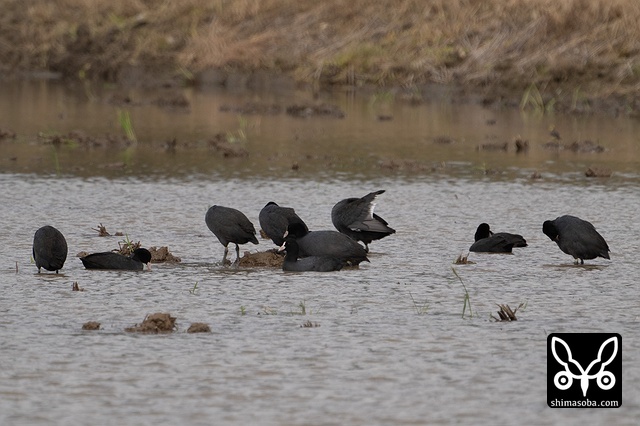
x,y
230,226
49,249
111,260
487,243
328,244
354,217
576,237
310,263
484,231
275,220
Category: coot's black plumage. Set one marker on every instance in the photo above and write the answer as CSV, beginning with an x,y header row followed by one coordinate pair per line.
x,y
275,220
230,226
310,263
49,249
491,243
354,217
111,260
484,231
576,237
328,244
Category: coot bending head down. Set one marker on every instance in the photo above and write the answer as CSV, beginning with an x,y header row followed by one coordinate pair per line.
x,y
310,263
275,220
111,260
230,226
576,237
49,249
328,244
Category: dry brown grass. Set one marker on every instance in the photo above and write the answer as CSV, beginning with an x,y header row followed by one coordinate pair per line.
x,y
590,46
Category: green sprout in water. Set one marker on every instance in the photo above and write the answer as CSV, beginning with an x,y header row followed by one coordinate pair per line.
x,y
125,123
239,135
421,309
532,98
467,299
243,310
194,289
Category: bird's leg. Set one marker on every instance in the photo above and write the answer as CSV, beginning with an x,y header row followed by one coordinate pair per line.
x,y
237,253
224,258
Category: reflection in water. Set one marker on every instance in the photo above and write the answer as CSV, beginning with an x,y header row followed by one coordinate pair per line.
x,y
389,344
419,140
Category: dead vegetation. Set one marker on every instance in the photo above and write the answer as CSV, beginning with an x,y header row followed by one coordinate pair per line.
x,y
154,323
102,231
506,313
572,51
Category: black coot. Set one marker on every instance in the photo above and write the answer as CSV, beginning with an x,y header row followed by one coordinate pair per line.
x,y
111,260
490,243
49,249
311,263
354,217
230,226
275,220
576,237
328,244
484,231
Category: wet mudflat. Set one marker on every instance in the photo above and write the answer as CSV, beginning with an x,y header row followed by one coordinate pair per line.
x,y
383,344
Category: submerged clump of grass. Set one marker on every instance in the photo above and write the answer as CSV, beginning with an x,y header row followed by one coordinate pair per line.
x,y
102,230
309,324
126,246
463,259
506,313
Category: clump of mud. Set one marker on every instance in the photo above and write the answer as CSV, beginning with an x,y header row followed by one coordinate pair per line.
x,y
7,134
493,146
598,172
321,110
80,138
221,143
406,165
199,327
253,108
91,325
163,255
154,323
585,146
270,258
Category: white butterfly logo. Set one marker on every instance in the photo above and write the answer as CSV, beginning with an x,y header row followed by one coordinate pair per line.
x,y
564,379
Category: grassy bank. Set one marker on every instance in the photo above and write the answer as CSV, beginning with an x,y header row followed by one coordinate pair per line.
x,y
569,51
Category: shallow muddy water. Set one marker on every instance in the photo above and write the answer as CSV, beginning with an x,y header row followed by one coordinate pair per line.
x,y
388,343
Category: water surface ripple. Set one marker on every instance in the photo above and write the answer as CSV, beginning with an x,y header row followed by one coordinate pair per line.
x,y
389,345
